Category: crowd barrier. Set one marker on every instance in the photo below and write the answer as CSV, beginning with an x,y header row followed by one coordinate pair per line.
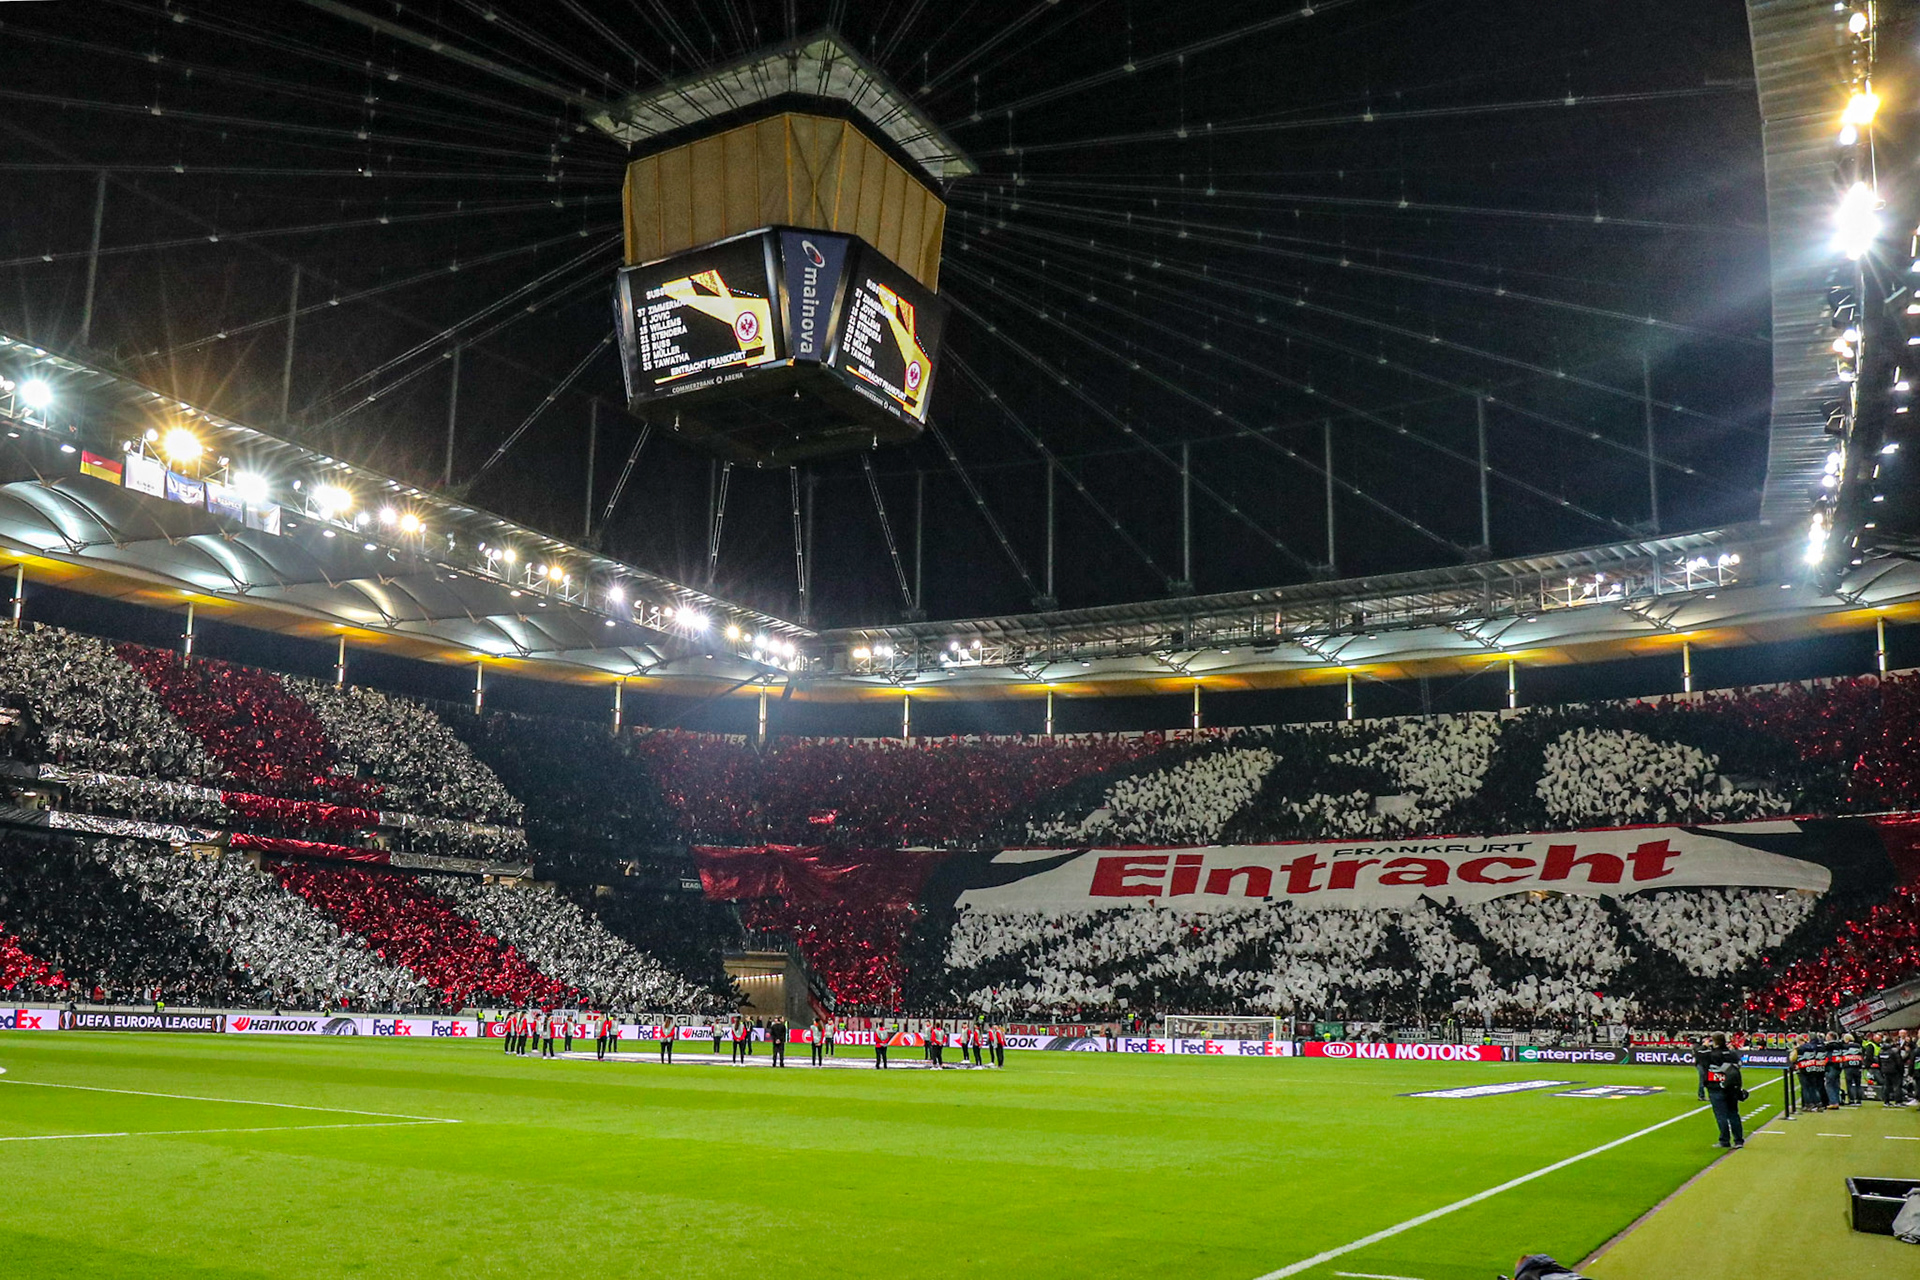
x,y
456,1028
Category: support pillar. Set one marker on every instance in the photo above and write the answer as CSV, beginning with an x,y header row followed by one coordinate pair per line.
x,y
1486,504
479,687
340,664
1349,695
1326,444
1051,593
187,650
453,413
593,446
286,356
1686,666
906,715
619,703
1049,712
1513,684
20,592
919,541
1653,465
1879,640
1196,704
760,738
1186,517
93,257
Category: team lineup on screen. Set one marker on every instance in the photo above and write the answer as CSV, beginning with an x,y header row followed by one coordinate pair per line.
x,y
706,318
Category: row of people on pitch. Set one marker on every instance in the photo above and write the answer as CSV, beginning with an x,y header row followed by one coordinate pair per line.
x,y
537,1031
1832,1071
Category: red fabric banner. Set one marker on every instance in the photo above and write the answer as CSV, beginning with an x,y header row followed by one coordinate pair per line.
x,y
306,848
802,875
312,813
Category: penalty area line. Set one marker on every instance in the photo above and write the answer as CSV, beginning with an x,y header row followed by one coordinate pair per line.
x,y
242,1102
1387,1233
271,1128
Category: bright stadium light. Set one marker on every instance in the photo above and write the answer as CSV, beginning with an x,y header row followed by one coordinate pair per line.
x,y
1861,108
410,523
252,488
692,620
510,555
36,394
332,501
1857,24
389,516
616,596
181,446
1856,222
733,631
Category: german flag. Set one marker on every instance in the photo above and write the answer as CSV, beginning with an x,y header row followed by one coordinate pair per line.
x,y
99,468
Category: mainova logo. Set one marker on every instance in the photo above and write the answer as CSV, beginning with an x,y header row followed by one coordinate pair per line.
x,y
814,255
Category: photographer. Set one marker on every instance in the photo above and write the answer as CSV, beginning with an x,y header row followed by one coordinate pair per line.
x,y
1719,1069
1538,1266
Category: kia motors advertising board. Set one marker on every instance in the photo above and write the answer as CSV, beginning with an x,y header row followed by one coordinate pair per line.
x,y
1402,1052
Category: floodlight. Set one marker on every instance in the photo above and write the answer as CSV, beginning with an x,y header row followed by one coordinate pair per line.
x,y
510,555
181,445
410,523
35,393
252,488
616,596
693,621
1860,108
389,516
553,572
332,501
1856,222
733,631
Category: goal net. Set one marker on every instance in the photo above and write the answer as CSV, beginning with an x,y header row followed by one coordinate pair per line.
x,y
1188,1027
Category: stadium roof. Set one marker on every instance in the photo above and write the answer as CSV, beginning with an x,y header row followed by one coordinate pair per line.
x,y
438,595
1801,77
820,65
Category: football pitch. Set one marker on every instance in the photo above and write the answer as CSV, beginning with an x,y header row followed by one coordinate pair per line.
x,y
144,1155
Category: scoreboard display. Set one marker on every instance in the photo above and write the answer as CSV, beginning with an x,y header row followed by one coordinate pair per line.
x,y
889,335
702,319
779,344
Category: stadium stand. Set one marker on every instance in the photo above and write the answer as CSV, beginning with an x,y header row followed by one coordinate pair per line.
x,y
613,822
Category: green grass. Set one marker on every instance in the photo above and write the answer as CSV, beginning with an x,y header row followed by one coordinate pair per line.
x,y
1063,1165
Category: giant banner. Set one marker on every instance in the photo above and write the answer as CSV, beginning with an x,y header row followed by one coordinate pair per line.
x,y
1360,874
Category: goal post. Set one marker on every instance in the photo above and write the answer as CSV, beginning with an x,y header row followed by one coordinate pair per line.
x,y
1181,1026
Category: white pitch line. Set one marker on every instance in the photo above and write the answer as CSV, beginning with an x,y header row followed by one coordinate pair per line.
x,y
272,1128
1899,1137
1387,1233
243,1102
1373,1275
1833,1135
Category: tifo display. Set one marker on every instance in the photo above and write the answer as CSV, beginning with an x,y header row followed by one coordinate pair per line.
x,y
212,835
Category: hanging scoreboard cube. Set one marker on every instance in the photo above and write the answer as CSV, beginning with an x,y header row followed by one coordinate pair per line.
x,y
781,304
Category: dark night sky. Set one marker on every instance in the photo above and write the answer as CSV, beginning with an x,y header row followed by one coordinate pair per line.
x,y
1366,216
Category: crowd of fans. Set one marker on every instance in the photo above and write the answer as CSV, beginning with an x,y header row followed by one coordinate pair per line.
x,y
139,733
563,942
408,924
1869,954
421,766
90,710
1510,959
278,937
879,793
73,915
